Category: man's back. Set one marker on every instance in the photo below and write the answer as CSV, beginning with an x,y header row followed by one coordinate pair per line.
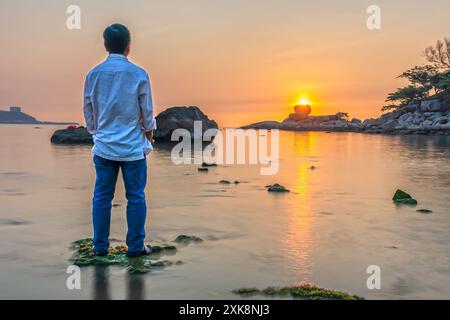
x,y
118,109
117,96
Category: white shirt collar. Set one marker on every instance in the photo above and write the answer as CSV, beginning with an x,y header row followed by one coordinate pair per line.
x,y
117,56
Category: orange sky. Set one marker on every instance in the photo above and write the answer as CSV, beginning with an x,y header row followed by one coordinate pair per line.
x,y
240,61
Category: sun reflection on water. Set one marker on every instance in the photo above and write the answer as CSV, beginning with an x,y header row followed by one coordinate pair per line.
x,y
298,240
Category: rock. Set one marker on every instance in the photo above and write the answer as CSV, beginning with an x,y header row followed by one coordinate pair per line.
x,y
302,291
181,117
390,125
265,125
413,107
298,116
203,169
426,211
72,136
393,115
432,105
276,188
301,112
84,256
402,197
205,164
325,118
302,108
224,182
313,167
404,118
368,123
184,239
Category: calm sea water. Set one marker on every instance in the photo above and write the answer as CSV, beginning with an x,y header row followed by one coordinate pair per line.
x,y
338,219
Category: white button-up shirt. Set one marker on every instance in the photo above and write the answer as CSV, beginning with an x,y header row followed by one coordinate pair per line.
x,y
118,109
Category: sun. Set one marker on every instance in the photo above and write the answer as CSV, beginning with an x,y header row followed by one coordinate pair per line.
x,y
303,102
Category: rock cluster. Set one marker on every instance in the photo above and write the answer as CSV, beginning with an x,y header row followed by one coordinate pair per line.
x,y
426,117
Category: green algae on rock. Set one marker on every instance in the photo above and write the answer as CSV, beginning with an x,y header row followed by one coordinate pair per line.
x,y
184,239
276,188
85,256
302,291
401,197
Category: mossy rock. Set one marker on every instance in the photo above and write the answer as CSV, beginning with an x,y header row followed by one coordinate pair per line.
x,y
85,256
184,239
401,197
276,188
303,291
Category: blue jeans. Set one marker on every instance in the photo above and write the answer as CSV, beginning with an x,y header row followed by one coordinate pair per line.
x,y
134,175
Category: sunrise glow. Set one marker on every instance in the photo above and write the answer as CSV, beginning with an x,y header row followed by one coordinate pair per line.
x,y
303,102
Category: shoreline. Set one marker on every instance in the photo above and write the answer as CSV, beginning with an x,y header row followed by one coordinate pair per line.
x,y
429,117
423,132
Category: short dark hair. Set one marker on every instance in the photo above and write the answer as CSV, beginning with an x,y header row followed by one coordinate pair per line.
x,y
116,37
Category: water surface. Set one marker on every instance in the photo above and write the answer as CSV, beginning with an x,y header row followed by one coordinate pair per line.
x,y
338,219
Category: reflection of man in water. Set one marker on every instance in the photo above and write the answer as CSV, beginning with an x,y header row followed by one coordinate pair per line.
x,y
101,290
119,113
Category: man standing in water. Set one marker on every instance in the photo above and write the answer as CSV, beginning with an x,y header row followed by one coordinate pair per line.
x,y
119,114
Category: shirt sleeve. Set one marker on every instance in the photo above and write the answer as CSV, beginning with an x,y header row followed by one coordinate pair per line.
x,y
87,107
146,105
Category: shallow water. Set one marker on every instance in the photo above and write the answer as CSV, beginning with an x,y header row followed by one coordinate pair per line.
x,y
338,219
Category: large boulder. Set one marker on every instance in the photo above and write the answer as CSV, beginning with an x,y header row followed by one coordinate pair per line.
x,y
302,112
181,117
434,105
72,135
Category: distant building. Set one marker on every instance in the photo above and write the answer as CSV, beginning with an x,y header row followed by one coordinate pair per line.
x,y
15,109
15,115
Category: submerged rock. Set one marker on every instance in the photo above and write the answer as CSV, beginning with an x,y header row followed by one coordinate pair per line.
x,y
276,188
303,291
206,164
401,197
224,182
426,211
184,239
203,169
